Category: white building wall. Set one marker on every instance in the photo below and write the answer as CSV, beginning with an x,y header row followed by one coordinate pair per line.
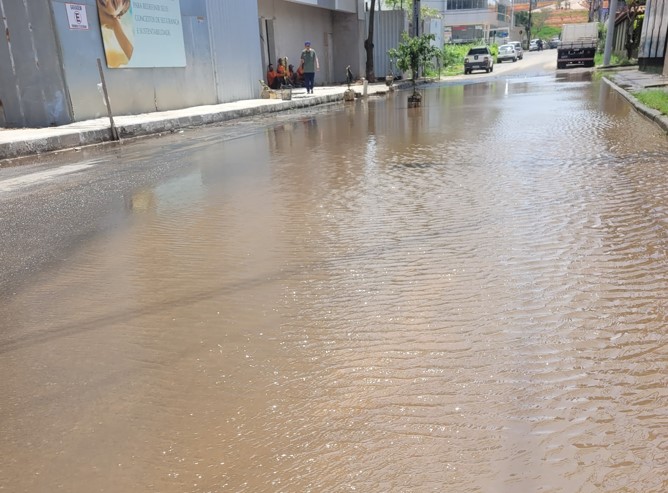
x,y
333,27
487,18
293,24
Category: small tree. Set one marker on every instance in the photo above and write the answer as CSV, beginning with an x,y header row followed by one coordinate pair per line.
x,y
414,53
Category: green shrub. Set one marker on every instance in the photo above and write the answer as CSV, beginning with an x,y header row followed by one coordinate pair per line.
x,y
452,56
547,32
415,53
616,59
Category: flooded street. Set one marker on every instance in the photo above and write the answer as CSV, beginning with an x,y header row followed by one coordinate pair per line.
x,y
464,297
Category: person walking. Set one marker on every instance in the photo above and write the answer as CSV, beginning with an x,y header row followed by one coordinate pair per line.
x,y
309,62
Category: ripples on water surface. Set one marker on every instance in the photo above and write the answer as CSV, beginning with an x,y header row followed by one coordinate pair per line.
x,y
465,297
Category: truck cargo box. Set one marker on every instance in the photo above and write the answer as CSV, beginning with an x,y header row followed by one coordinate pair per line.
x,y
578,44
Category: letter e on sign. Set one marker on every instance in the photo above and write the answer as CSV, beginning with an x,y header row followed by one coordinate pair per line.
x,y
76,16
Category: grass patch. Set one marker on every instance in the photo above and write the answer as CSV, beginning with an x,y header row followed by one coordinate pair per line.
x,y
654,98
616,60
452,57
448,71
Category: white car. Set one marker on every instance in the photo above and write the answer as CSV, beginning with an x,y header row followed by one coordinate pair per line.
x,y
506,53
479,58
518,49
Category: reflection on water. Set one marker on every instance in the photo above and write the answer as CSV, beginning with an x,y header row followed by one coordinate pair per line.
x,y
468,296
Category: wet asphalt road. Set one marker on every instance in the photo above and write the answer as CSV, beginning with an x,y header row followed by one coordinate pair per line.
x,y
469,296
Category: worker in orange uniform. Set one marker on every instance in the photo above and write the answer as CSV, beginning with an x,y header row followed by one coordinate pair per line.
x,y
281,74
271,76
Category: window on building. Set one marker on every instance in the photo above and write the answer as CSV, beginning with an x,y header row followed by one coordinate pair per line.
x,y
467,4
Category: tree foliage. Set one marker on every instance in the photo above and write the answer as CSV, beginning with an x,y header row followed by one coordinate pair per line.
x,y
414,53
408,5
453,54
538,19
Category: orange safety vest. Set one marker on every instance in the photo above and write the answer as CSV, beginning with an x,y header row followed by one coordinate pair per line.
x,y
271,75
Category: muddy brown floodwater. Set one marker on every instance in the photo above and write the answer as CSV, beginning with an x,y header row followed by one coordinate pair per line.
x,y
465,297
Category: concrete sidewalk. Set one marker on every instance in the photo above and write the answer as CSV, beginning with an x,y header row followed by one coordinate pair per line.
x,y
628,81
15,143
632,79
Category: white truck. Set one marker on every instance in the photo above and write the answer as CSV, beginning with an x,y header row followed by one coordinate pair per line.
x,y
578,44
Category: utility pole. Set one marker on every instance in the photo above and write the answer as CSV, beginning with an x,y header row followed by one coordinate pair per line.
x,y
416,18
529,25
612,13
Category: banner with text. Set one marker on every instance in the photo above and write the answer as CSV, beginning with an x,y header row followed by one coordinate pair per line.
x,y
142,34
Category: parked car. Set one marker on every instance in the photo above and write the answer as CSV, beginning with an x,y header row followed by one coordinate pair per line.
x,y
506,53
518,48
553,43
479,58
533,45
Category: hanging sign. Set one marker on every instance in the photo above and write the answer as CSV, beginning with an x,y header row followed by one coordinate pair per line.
x,y
76,16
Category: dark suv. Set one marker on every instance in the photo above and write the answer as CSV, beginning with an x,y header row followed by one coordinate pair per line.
x,y
479,58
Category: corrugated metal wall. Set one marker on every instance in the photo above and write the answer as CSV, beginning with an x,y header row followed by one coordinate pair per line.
x,y
235,39
135,90
49,73
619,38
388,26
653,37
32,88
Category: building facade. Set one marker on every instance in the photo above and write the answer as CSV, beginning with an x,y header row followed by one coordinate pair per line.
x,y
335,28
160,55
466,21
